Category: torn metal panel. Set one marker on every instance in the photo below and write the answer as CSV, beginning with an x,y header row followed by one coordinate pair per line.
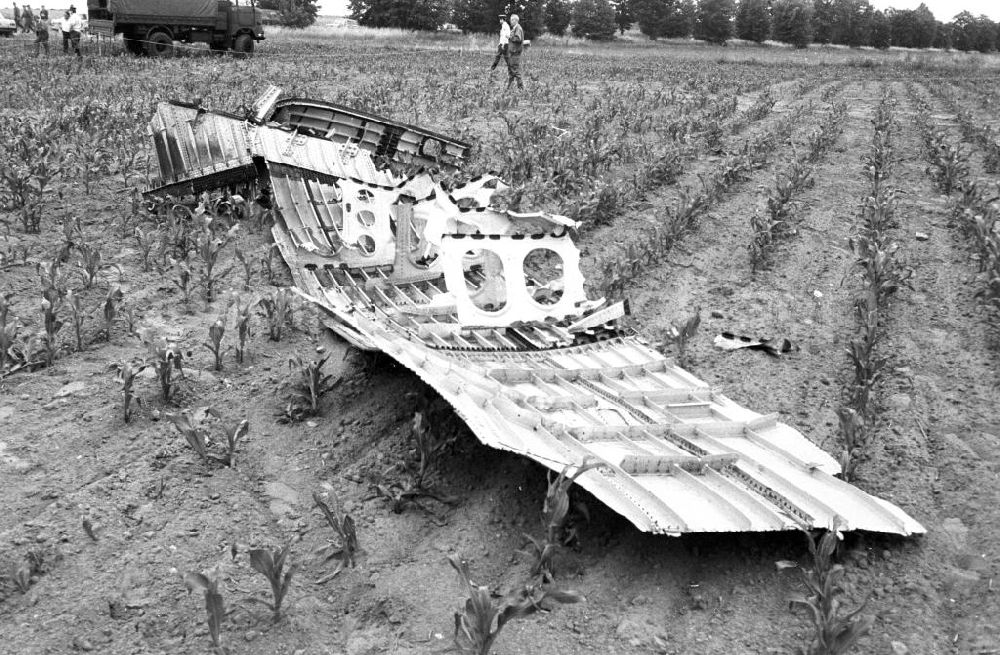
x,y
489,308
379,136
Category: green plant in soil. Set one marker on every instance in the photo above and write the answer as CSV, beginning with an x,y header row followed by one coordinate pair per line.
x,y
555,510
244,314
51,303
78,314
679,334
91,264
110,307
216,331
246,263
479,621
8,330
311,384
126,372
214,607
852,428
277,309
208,249
835,631
233,432
166,358
146,240
183,276
195,435
346,546
271,564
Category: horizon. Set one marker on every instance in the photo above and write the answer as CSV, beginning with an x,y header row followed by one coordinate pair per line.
x,y
943,10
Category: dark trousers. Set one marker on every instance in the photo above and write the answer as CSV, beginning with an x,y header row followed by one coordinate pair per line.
x,y
501,54
514,70
74,38
65,41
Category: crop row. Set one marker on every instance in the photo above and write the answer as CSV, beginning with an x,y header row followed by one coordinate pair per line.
x,y
882,275
635,255
975,209
781,218
974,129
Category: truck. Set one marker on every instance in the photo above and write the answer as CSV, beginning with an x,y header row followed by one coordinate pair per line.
x,y
152,26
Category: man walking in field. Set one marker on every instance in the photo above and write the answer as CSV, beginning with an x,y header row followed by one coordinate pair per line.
x,y
64,26
502,46
75,28
515,46
42,32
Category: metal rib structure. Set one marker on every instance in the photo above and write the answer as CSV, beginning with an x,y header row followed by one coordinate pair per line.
x,y
455,290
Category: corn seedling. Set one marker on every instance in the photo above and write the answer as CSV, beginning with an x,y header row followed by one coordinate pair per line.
x,y
214,344
208,249
247,264
109,308
852,428
146,241
243,327
78,314
278,310
233,433
835,631
311,385
183,276
126,372
8,330
51,303
346,546
195,435
271,564
91,264
214,607
679,334
479,621
165,358
555,510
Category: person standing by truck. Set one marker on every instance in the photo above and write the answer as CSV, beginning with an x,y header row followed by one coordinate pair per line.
x,y
42,32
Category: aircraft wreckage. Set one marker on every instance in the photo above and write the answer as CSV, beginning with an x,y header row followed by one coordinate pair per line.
x,y
488,307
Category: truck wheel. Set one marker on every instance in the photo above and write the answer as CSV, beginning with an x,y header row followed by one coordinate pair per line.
x,y
133,46
243,46
159,45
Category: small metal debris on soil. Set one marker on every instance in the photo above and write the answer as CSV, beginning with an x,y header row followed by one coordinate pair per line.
x,y
775,348
921,236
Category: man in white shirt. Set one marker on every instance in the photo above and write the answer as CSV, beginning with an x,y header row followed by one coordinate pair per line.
x,y
502,46
64,28
75,28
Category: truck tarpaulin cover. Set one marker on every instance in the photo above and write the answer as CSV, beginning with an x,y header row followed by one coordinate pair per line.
x,y
165,8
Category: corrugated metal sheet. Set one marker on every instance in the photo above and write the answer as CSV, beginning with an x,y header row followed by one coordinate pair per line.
x,y
677,455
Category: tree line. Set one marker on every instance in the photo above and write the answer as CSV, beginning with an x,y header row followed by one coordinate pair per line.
x,y
798,22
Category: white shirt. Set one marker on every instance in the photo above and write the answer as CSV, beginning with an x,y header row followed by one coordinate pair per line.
x,y
504,33
75,23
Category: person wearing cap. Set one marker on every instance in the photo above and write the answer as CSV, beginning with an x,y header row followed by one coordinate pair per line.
x,y
502,46
42,32
515,46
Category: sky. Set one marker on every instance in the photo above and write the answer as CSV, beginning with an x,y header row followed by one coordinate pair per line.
x,y
943,10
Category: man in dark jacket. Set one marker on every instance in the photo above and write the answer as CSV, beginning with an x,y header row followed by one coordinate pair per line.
x,y
515,46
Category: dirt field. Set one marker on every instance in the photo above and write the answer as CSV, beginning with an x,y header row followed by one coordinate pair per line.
x,y
590,119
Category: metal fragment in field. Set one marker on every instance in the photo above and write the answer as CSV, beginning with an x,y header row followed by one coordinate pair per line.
x,y
488,307
775,348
